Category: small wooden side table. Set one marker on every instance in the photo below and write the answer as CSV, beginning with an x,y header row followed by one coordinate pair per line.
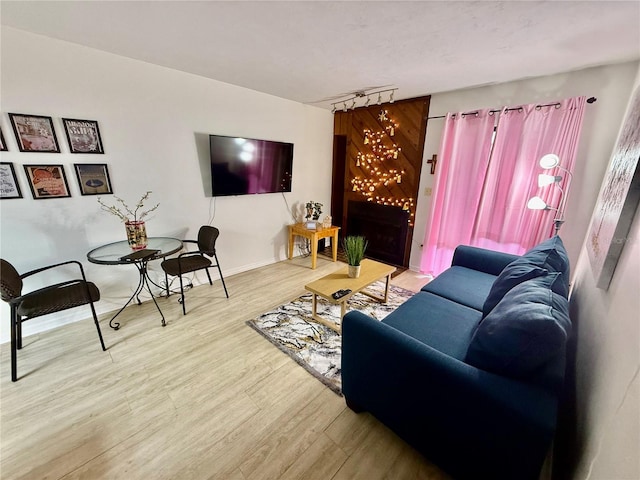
x,y
300,230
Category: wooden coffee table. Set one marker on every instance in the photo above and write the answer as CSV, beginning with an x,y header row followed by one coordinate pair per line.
x,y
370,272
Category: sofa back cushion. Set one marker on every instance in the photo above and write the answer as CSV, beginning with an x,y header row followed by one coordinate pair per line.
x,y
528,328
548,256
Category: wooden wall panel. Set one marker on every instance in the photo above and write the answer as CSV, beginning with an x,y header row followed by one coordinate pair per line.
x,y
409,118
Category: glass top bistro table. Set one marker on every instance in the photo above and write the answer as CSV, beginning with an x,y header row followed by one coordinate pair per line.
x,y
120,253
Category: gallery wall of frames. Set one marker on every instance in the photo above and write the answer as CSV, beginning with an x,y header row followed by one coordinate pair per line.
x,y
36,134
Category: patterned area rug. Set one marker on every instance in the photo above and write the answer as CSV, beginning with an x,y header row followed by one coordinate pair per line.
x,y
314,346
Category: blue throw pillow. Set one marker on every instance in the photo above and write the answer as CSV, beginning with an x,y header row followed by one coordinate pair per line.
x,y
515,273
551,255
527,328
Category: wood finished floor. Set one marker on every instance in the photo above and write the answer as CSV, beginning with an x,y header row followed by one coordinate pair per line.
x,y
206,397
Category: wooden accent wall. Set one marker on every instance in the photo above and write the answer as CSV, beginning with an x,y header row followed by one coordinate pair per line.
x,y
410,116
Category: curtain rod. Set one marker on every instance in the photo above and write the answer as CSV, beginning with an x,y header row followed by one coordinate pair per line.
x,y
538,107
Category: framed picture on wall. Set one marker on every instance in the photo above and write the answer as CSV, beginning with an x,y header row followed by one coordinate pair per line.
x,y
34,133
83,135
47,181
3,144
93,178
618,200
9,187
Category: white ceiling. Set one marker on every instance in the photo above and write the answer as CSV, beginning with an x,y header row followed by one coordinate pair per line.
x,y
311,51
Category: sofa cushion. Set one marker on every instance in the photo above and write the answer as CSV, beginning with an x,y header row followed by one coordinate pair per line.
x,y
513,274
549,255
440,323
552,256
462,285
526,329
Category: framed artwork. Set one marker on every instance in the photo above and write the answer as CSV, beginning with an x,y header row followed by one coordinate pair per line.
x,y
617,201
9,187
3,144
93,178
83,135
47,181
34,133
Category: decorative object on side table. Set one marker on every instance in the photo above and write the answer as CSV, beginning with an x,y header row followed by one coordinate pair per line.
x,y
354,248
133,220
314,209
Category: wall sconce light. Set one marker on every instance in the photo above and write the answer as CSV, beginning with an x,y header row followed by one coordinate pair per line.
x,y
547,162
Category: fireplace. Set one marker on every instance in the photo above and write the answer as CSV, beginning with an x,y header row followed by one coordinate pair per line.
x,y
385,227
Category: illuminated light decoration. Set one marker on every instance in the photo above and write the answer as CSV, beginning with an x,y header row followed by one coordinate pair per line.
x,y
374,164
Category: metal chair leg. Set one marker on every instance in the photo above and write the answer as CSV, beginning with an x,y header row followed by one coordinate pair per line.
x,y
95,320
18,332
208,275
184,310
221,277
14,345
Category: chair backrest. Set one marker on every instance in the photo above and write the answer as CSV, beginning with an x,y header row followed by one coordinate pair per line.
x,y
207,236
10,281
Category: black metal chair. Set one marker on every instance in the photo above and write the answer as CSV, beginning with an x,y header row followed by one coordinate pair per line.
x,y
50,299
188,262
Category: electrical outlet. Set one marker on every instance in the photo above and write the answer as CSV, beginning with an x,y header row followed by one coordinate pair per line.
x,y
427,191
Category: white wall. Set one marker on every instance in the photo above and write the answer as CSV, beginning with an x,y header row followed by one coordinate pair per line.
x,y
608,365
611,85
154,123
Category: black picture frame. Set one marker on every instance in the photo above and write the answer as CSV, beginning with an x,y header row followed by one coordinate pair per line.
x,y
34,133
47,181
3,143
83,136
93,178
9,186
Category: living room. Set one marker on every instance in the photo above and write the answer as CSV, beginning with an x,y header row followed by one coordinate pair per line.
x,y
155,123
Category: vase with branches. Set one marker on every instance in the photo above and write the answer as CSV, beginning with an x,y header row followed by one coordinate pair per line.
x,y
133,219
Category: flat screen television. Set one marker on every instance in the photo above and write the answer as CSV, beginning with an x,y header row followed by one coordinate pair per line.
x,y
242,166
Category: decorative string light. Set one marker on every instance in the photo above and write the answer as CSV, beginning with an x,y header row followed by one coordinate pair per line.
x,y
377,166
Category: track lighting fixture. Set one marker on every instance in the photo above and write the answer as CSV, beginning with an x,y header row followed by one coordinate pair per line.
x,y
361,94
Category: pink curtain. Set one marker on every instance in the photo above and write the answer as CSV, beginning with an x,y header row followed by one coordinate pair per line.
x,y
490,210
503,221
464,156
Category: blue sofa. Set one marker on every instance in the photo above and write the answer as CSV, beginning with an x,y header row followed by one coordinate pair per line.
x,y
470,369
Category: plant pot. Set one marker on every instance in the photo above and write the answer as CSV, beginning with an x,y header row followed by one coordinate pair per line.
x,y
136,234
354,271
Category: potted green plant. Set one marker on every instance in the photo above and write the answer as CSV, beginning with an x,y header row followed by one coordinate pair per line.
x,y
354,248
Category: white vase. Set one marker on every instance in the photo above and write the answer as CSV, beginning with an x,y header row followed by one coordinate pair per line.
x,y
354,271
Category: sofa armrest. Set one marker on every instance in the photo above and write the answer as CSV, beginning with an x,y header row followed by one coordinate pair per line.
x,y
472,423
481,259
